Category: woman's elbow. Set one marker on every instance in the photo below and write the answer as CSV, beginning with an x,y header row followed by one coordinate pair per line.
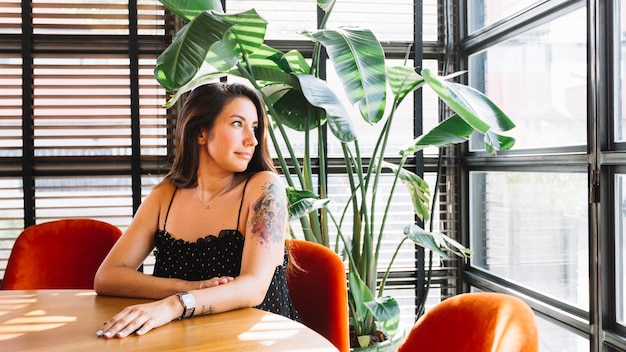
x,y
100,282
255,297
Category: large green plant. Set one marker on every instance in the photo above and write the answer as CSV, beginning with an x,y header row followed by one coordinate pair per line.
x,y
214,44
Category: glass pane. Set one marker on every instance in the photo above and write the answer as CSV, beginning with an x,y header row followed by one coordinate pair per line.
x,y
554,337
482,13
286,19
429,20
539,78
620,93
531,228
393,21
620,248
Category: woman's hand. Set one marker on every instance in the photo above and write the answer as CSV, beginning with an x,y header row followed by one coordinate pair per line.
x,y
142,318
215,281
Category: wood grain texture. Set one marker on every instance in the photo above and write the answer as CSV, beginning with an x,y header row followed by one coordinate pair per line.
x,y
67,320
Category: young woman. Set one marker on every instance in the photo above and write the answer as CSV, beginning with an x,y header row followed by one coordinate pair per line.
x,y
217,222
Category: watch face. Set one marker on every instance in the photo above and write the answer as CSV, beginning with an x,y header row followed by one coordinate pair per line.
x,y
188,299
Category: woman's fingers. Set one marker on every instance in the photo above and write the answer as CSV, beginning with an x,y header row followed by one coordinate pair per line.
x,y
216,281
137,319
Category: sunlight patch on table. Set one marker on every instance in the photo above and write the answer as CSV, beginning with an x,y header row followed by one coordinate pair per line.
x,y
32,322
270,330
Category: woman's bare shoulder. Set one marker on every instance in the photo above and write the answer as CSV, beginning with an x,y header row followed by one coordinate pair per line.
x,y
266,181
163,191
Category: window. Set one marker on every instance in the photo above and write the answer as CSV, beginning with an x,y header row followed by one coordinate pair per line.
x,y
546,219
548,65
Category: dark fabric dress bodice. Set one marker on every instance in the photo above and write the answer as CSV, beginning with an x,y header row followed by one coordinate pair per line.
x,y
214,256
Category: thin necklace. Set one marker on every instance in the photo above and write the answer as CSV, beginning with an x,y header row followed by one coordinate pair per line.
x,y
210,204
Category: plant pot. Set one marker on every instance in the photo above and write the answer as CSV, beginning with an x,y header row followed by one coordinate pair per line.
x,y
390,345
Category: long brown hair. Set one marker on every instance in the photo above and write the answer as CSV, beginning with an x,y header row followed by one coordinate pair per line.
x,y
200,111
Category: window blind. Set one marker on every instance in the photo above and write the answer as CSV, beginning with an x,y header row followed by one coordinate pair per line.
x,y
82,122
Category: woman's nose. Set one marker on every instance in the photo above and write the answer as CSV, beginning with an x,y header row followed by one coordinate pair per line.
x,y
251,138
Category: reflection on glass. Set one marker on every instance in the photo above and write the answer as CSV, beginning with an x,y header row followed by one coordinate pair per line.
x,y
620,248
539,79
531,228
482,13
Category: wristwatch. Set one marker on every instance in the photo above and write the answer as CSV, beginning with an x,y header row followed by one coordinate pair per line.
x,y
189,304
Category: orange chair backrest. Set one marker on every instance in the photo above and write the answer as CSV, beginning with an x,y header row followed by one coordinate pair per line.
x,y
475,322
319,291
59,254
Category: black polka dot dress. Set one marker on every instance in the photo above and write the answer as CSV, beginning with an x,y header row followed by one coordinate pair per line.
x,y
214,256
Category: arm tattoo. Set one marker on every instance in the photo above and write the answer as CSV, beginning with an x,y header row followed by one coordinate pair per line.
x,y
268,221
207,310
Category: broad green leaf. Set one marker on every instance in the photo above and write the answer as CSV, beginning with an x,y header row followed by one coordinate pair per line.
x,y
296,62
319,94
244,38
417,187
386,310
449,131
198,81
268,57
188,9
403,80
360,294
249,30
304,206
436,242
359,60
181,60
470,104
494,141
293,110
268,76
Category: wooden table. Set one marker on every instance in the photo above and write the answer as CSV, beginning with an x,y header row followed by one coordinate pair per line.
x,y
67,320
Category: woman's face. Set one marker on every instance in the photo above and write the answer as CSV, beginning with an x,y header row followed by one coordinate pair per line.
x,y
232,141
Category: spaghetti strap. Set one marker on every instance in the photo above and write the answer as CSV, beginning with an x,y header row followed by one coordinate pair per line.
x,y
169,207
241,204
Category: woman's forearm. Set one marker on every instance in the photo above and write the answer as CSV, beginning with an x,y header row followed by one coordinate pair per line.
x,y
128,282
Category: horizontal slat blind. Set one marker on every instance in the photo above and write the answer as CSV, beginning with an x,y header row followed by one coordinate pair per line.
x,y
11,102
10,16
84,158
11,216
90,115
80,17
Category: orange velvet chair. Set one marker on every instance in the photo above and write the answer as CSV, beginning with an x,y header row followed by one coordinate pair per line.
x,y
59,254
475,322
319,291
